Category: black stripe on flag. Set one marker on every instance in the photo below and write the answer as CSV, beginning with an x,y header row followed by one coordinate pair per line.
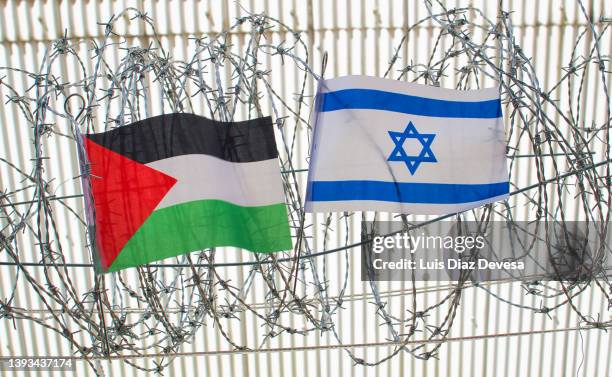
x,y
179,134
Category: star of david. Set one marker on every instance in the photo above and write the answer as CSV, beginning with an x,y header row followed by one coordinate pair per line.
x,y
399,154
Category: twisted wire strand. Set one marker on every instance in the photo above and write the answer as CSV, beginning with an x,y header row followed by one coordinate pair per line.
x,y
99,320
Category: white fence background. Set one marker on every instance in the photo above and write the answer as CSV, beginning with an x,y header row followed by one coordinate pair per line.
x,y
490,338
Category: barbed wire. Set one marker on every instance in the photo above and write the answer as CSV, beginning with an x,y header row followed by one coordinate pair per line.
x,y
226,81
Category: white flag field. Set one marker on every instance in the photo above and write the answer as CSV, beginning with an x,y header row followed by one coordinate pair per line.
x,y
392,146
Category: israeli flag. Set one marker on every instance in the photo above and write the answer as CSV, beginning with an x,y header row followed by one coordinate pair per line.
x,y
387,145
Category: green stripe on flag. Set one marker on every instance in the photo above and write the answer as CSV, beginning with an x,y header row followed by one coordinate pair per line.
x,y
192,226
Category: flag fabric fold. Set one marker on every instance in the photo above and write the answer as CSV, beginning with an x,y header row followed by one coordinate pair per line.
x,y
177,183
387,145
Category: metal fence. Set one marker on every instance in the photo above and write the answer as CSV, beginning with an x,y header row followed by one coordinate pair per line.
x,y
491,336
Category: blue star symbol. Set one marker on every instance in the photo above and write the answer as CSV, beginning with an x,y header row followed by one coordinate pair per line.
x,y
399,154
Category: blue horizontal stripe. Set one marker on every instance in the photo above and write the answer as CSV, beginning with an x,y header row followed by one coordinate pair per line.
x,y
407,104
431,193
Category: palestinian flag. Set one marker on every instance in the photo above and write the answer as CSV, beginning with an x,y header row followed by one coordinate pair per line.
x,y
177,183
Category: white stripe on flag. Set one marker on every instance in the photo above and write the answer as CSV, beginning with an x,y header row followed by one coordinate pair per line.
x,y
201,176
396,207
396,86
467,150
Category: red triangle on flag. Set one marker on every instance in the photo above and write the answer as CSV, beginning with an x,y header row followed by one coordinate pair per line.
x,y
125,192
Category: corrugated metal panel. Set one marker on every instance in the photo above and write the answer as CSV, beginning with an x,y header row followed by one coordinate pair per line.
x,y
359,38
